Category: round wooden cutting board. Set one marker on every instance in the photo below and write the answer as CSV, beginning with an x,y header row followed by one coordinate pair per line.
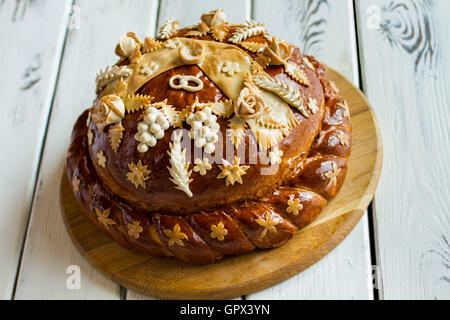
x,y
244,274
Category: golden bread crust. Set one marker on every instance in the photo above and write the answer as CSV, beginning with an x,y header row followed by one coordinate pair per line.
x,y
160,197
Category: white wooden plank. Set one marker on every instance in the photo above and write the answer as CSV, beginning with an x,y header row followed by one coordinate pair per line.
x,y
188,13
48,250
324,29
407,82
29,66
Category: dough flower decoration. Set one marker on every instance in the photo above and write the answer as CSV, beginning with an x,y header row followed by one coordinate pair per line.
x,y
103,217
275,156
343,138
249,104
108,110
175,236
138,174
268,223
229,68
134,229
334,86
151,128
214,22
312,105
332,175
233,172
101,159
214,18
294,206
218,231
201,166
278,53
127,45
344,106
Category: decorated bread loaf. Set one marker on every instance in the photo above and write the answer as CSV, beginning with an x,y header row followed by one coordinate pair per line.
x,y
212,140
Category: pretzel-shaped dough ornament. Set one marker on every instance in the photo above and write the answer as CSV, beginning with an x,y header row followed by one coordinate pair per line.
x,y
184,83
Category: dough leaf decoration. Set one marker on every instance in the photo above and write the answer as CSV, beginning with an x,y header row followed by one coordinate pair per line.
x,y
222,109
116,135
178,165
136,102
194,33
309,64
104,77
220,32
296,73
250,29
252,46
151,45
283,90
236,131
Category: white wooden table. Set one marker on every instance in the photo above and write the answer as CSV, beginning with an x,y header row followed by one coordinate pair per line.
x,y
397,51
